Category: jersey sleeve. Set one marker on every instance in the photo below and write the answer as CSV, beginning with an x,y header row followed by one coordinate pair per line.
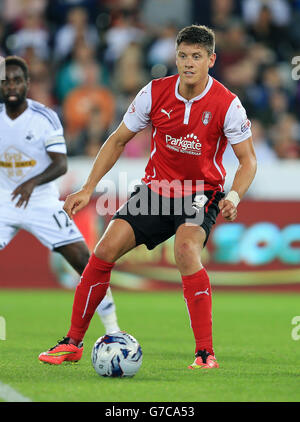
x,y
54,136
237,127
137,117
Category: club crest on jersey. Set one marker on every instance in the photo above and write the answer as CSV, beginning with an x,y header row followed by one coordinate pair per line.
x,y
206,116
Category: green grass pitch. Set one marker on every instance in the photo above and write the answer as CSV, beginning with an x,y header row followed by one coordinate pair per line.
x,y
259,360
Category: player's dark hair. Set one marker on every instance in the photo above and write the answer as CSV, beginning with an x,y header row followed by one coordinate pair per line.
x,y
17,61
197,34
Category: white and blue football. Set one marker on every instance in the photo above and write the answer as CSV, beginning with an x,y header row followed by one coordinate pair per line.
x,y
117,355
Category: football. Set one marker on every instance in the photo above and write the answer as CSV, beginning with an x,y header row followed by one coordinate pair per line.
x,y
117,355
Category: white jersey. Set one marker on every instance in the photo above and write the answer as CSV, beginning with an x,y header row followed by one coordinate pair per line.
x,y
24,144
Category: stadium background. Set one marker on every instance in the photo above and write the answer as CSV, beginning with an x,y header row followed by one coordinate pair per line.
x,y
87,61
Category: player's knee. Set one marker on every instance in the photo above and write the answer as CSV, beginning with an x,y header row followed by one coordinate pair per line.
x,y
106,251
187,254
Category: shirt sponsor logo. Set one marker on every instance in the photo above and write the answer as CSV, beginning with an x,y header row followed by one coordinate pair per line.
x,y
188,144
16,164
206,116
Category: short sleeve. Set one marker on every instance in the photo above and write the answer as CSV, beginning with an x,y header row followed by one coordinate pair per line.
x,y
237,127
54,135
137,117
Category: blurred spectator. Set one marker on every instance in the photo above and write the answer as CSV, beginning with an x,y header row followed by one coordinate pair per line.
x,y
89,58
40,87
71,73
91,138
88,96
155,14
123,31
263,149
129,74
126,5
264,30
14,10
280,10
33,33
260,54
278,105
2,38
271,78
222,12
215,13
76,29
232,48
264,152
285,137
57,10
294,27
240,77
162,50
129,77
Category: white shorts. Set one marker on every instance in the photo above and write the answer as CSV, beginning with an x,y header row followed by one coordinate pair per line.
x,y
44,218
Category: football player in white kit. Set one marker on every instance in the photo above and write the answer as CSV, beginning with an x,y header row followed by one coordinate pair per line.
x,y
32,155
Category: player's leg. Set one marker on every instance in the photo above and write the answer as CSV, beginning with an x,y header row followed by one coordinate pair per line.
x,y
189,242
77,254
118,239
9,221
126,231
6,234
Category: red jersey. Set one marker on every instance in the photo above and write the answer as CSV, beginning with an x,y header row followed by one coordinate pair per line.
x,y
188,136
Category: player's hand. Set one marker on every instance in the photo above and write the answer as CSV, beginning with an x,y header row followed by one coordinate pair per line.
x,y
24,191
75,202
228,210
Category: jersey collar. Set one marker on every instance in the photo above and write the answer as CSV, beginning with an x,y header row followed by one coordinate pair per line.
x,y
10,121
203,93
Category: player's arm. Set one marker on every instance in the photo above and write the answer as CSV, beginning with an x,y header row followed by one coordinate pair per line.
x,y
104,161
57,168
243,178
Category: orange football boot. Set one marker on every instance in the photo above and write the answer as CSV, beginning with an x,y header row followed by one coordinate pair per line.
x,y
204,360
62,352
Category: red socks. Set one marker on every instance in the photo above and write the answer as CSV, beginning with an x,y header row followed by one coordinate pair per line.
x,y
95,281
89,293
197,295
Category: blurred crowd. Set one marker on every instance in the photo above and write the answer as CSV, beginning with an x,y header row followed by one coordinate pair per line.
x,y
89,58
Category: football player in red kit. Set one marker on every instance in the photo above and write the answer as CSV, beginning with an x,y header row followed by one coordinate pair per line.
x,y
193,117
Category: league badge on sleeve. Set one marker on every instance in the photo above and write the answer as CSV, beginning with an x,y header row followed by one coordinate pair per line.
x,y
245,126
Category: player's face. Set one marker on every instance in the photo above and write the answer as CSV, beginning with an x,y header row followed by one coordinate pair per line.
x,y
14,87
193,63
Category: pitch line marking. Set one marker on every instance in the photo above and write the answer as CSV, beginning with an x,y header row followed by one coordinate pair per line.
x,y
7,393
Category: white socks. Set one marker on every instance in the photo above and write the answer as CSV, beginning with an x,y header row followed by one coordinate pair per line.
x,y
107,313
